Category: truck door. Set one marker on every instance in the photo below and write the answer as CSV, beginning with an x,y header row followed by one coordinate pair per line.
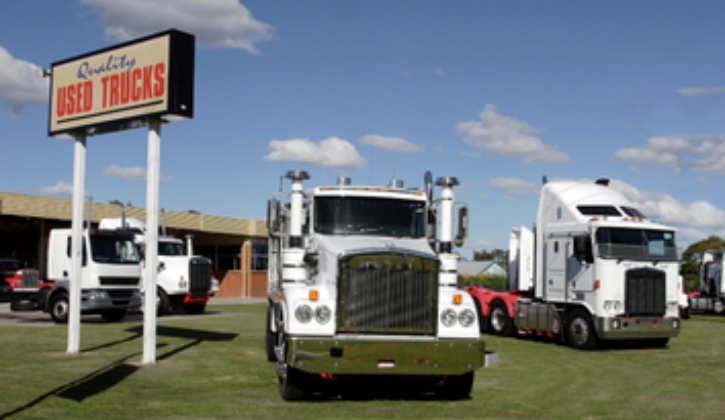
x,y
556,255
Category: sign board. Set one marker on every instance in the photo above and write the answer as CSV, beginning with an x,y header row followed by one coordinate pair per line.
x,y
123,86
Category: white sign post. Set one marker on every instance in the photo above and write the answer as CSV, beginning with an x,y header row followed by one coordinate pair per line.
x,y
139,83
76,275
153,178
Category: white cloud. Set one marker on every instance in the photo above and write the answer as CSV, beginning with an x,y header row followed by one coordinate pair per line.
x,y
698,91
669,210
507,136
515,186
705,154
439,71
393,144
332,152
482,243
21,83
133,173
63,189
216,23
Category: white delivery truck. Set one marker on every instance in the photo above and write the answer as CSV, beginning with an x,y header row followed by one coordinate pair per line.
x,y
183,280
711,297
110,273
595,268
357,289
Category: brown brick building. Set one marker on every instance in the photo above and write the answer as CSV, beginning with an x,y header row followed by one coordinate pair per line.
x,y
238,247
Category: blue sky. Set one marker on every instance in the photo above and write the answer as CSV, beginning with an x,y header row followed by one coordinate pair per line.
x,y
497,94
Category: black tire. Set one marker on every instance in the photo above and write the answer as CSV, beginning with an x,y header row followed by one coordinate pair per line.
x,y
271,340
162,302
59,308
580,333
456,387
499,321
685,313
194,308
292,386
113,315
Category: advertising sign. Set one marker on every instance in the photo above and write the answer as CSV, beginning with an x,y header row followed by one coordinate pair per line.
x,y
123,86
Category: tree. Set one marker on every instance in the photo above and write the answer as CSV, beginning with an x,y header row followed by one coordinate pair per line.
x,y
498,255
692,259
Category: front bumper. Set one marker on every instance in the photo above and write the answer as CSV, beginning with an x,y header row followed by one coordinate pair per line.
x,y
616,328
379,356
91,304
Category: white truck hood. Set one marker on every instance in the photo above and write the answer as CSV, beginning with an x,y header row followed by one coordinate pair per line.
x,y
339,245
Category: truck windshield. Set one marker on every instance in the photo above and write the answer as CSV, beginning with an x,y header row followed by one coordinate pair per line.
x,y
369,216
114,249
636,244
171,249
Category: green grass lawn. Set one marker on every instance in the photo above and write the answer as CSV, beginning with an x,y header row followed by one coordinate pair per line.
x,y
214,367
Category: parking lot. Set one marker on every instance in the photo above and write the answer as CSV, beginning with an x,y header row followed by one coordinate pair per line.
x,y
42,319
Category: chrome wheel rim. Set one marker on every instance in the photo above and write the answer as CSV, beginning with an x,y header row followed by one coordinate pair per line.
x,y
498,319
580,330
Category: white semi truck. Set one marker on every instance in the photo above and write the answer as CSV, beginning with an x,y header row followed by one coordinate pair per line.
x,y
594,269
356,288
711,297
110,273
183,280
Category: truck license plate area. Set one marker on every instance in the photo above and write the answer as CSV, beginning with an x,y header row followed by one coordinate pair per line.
x,y
386,364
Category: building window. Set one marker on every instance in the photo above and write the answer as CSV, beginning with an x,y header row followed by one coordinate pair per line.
x,y
229,258
259,257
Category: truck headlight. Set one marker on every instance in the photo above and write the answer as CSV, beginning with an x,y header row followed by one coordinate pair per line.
x,y
466,317
303,314
98,294
323,314
448,317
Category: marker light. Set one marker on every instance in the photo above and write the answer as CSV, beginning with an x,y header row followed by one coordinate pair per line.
x,y
314,295
457,299
596,284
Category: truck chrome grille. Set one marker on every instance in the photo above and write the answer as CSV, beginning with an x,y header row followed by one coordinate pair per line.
x,y
31,279
200,275
645,293
387,293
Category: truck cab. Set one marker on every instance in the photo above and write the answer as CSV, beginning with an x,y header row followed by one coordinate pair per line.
x,y
356,288
110,273
595,268
183,280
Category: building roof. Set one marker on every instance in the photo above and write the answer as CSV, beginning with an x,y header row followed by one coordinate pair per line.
x,y
22,205
472,268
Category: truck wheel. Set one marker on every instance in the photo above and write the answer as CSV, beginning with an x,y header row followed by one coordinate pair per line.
x,y
271,336
291,385
195,308
114,315
162,302
499,322
456,387
580,331
59,308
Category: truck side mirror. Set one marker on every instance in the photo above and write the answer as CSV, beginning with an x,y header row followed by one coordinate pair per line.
x,y
430,227
273,217
583,248
462,227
